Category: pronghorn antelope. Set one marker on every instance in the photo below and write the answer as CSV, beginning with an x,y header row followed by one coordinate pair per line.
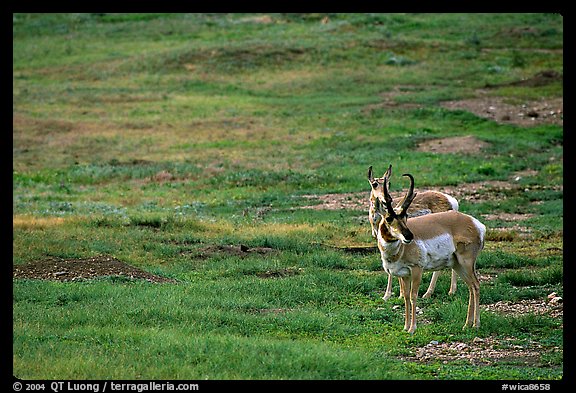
x,y
431,242
424,203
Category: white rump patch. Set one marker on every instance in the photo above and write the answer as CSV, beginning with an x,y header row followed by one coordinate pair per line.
x,y
481,228
453,202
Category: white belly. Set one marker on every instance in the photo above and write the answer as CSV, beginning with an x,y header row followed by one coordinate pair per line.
x,y
437,253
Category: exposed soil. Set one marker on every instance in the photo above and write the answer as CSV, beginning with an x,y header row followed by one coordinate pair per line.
x,y
553,307
501,110
483,351
82,269
529,113
472,192
457,144
351,201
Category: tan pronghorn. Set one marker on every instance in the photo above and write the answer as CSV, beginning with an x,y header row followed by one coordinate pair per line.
x,y
409,246
424,203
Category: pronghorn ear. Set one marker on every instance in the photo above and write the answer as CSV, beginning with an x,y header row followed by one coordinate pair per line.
x,y
388,172
373,182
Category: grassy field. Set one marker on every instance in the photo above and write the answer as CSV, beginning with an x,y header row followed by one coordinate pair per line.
x,y
160,140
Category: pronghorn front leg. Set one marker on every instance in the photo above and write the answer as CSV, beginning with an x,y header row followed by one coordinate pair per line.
x,y
388,292
411,285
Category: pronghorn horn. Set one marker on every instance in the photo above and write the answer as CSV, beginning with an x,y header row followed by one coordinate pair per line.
x,y
387,197
409,195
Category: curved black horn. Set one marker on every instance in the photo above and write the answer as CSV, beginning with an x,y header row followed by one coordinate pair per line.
x,y
387,198
409,195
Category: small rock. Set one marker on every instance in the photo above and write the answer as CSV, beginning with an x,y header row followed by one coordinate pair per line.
x,y
433,342
477,340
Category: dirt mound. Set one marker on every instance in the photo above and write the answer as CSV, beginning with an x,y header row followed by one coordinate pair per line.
x,y
82,269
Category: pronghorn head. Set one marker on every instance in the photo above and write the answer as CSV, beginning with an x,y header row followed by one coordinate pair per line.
x,y
394,218
375,191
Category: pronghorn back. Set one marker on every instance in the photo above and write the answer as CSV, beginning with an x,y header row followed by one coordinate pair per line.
x,y
462,227
436,201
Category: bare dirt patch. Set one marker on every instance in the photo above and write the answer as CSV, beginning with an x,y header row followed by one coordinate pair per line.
x,y
82,269
458,144
480,191
530,113
509,217
485,105
482,351
553,307
351,201
471,192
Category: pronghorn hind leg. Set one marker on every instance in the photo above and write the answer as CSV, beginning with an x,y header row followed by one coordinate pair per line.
x,y
453,283
465,269
432,285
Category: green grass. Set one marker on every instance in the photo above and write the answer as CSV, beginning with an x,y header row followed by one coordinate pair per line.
x,y
150,137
